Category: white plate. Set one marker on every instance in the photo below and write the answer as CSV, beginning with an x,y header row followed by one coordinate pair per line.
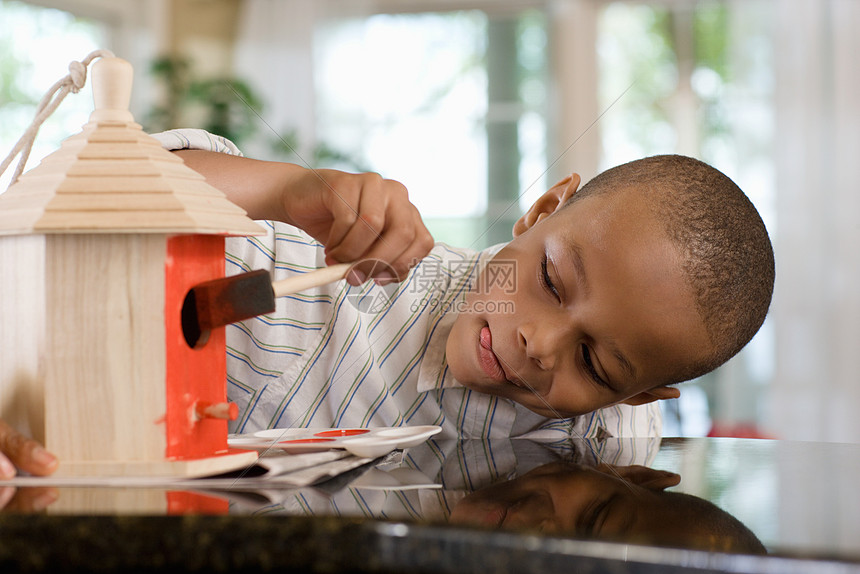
x,y
410,436
395,479
370,447
362,442
280,434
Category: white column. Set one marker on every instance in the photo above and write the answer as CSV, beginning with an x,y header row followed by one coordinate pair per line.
x,y
274,53
574,139
816,392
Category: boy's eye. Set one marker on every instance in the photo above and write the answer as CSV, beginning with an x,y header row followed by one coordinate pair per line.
x,y
594,518
545,278
589,367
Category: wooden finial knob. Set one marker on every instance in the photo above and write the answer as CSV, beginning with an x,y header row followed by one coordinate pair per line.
x,y
112,80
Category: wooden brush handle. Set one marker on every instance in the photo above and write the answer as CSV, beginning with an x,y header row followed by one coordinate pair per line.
x,y
316,278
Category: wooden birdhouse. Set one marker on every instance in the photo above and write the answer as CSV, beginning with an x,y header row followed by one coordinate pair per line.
x,y
100,245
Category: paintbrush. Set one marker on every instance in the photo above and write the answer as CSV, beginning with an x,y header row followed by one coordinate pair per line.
x,y
227,300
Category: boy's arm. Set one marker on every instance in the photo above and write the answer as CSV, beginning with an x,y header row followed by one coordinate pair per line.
x,y
356,216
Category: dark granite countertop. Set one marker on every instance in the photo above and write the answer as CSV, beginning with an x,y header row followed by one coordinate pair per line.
x,y
762,483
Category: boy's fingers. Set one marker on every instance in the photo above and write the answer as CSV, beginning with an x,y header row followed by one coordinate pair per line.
x,y
33,499
10,444
400,250
373,219
377,211
364,233
387,227
358,206
7,469
343,205
6,494
417,250
25,453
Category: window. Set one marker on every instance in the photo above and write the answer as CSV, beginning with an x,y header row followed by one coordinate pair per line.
x,y
697,79
36,46
457,105
451,104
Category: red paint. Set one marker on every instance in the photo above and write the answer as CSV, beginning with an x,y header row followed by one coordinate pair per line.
x,y
342,432
193,375
182,502
306,440
739,430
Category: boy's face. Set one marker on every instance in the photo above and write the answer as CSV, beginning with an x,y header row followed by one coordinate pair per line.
x,y
619,503
602,503
596,310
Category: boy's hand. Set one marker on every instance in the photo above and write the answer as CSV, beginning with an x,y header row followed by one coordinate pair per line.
x,y
29,499
16,450
356,216
359,217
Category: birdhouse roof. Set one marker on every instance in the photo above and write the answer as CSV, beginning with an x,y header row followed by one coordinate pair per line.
x,y
114,178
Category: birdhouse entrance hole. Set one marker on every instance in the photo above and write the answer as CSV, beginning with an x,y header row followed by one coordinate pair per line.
x,y
194,335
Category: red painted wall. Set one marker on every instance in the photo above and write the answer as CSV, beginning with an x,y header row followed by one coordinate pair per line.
x,y
193,374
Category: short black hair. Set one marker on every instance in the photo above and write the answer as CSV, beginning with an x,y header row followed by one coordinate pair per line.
x,y
707,527
727,256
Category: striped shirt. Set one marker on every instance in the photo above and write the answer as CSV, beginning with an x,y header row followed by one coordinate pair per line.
x,y
430,479
369,356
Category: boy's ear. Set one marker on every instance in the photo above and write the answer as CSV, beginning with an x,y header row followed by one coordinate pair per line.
x,y
658,394
643,476
548,203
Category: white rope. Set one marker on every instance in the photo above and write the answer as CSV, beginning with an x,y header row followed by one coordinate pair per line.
x,y
73,82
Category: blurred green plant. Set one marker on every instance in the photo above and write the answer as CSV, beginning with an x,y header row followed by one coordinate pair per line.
x,y
225,106
228,107
284,147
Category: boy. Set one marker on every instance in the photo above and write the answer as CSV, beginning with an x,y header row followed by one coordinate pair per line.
x,y
654,273
626,504
523,485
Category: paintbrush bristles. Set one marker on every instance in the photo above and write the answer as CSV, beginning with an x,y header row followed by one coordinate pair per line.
x,y
230,299
227,300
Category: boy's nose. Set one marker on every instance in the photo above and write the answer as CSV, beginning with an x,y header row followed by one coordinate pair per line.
x,y
541,343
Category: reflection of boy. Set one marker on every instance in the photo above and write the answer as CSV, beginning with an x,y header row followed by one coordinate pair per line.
x,y
524,485
455,469
653,273
617,503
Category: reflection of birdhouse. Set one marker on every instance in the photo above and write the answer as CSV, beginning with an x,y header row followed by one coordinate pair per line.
x,y
100,244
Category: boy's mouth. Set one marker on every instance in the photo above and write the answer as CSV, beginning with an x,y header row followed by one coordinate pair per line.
x,y
489,361
487,358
